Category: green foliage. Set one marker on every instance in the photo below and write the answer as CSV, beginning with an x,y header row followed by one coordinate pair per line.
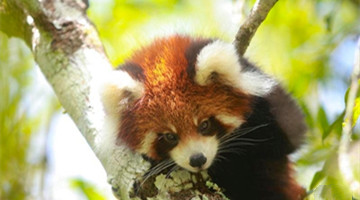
x,y
356,111
318,177
12,21
17,125
88,190
125,25
336,126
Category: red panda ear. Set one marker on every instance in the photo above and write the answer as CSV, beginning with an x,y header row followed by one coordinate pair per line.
x,y
220,59
119,90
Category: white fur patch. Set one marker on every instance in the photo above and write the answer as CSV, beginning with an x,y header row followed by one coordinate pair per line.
x,y
106,141
116,91
217,57
195,120
256,83
147,143
173,128
221,58
206,145
233,121
112,92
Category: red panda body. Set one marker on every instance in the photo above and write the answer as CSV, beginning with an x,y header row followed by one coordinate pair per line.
x,y
195,101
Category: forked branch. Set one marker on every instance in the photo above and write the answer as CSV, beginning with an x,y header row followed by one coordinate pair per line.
x,y
344,160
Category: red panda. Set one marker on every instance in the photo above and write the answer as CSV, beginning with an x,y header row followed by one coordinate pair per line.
x,y
196,102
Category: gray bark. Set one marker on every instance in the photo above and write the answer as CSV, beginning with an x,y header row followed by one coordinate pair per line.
x,y
251,24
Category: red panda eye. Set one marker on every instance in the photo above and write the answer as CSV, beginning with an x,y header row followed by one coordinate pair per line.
x,y
204,127
171,138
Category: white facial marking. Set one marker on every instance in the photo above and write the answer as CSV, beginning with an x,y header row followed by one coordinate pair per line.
x,y
233,121
146,145
114,100
173,128
208,146
195,120
221,57
113,89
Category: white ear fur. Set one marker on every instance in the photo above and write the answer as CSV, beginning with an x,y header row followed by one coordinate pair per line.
x,y
256,83
117,91
221,58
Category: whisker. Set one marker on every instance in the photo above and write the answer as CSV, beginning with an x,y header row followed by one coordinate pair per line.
x,y
152,174
174,168
221,157
169,172
232,143
159,166
251,139
157,169
232,150
237,144
242,132
235,139
163,167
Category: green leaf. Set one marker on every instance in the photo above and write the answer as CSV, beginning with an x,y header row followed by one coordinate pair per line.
x,y
308,116
356,111
322,119
335,126
329,20
13,21
347,93
88,190
318,177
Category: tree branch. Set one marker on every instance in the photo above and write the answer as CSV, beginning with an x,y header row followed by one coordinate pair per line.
x,y
344,161
247,30
69,53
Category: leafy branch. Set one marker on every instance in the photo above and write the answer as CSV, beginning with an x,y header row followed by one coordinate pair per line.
x,y
344,160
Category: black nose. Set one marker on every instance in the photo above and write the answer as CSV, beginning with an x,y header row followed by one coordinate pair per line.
x,y
197,160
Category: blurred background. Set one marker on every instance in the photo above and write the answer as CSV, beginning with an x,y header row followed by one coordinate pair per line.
x,y
309,45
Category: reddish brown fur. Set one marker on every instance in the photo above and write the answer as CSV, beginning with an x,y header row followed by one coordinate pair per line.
x,y
171,97
281,173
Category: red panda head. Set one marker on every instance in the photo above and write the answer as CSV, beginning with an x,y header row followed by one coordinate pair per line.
x,y
177,97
